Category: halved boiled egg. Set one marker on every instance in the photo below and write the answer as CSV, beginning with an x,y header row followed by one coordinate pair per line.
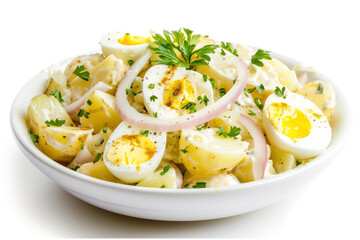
x,y
124,45
171,91
132,154
296,125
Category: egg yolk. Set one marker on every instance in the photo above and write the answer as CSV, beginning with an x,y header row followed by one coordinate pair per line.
x,y
131,150
289,121
128,39
178,93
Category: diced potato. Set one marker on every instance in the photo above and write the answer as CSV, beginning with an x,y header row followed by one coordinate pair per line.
x,y
45,108
99,111
172,147
322,95
283,161
98,170
244,171
156,180
221,180
97,142
286,76
58,81
62,143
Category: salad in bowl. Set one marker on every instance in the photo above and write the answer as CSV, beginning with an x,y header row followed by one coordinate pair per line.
x,y
180,110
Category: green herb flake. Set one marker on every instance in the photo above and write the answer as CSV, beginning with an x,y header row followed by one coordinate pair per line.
x,y
251,113
200,127
184,150
260,88
97,158
320,89
82,112
203,99
89,102
34,137
81,72
155,114
200,185
100,142
56,122
82,146
258,103
205,78
260,54
165,170
228,46
212,81
144,132
298,163
250,90
162,186
104,129
151,86
57,94
222,91
153,98
234,131
222,52
130,62
280,92
186,185
76,168
127,91
190,106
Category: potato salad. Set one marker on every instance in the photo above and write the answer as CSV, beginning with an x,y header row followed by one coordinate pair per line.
x,y
180,110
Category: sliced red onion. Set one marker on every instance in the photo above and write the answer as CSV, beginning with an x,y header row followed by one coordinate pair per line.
x,y
179,176
131,116
303,78
260,147
75,106
84,156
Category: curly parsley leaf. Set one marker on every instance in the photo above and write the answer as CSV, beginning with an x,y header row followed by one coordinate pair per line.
x,y
56,123
184,42
280,92
81,72
34,137
144,132
228,46
165,170
203,99
57,94
234,131
190,106
260,54
200,185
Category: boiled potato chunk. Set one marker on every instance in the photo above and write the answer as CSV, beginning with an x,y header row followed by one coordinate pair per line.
x,y
98,170
221,180
283,161
97,142
62,143
163,177
206,153
172,147
58,82
286,76
44,108
322,95
100,111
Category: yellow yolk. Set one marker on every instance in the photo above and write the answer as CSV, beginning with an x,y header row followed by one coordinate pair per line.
x,y
289,121
128,39
131,150
178,93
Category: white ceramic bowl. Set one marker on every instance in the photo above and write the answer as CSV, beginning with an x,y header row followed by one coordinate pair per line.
x,y
176,204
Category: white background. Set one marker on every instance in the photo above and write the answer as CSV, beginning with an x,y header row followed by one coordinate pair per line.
x,y
38,33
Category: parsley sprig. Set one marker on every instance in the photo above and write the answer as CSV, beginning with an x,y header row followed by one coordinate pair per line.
x,y
184,42
57,94
280,92
81,72
228,46
56,122
260,54
234,131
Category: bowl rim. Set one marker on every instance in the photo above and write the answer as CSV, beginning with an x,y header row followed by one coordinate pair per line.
x,y
336,144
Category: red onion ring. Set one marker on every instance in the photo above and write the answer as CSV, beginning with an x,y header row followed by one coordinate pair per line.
x,y
131,116
75,106
84,156
260,147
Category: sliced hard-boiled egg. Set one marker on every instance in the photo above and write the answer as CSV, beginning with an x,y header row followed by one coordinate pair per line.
x,y
204,152
124,45
132,154
171,91
295,124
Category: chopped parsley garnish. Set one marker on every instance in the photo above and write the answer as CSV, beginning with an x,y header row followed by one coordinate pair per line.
x,y
82,146
320,89
162,186
250,90
153,98
258,103
151,86
100,143
228,46
57,94
56,123
280,92
200,185
200,127
89,102
205,78
184,150
76,168
190,106
187,184
144,132
34,137
127,91
234,131
104,129
298,163
97,157
81,72
212,81
260,54
184,42
222,52
251,113
222,91
260,88
82,112
165,170
130,62
203,99
155,114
